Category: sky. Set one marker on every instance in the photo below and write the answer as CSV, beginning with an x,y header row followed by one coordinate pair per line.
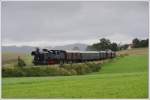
x,y
53,23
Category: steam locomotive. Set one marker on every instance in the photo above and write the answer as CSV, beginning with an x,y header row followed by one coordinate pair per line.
x,y
48,57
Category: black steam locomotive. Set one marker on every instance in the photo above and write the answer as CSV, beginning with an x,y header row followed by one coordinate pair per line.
x,y
48,57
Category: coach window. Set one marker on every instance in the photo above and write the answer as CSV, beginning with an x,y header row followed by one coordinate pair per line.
x,y
58,52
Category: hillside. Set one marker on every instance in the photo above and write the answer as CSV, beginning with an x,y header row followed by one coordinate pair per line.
x,y
15,49
28,49
122,77
81,47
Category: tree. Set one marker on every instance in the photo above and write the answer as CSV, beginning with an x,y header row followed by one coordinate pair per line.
x,y
104,44
21,63
136,43
140,43
124,47
144,43
114,47
90,48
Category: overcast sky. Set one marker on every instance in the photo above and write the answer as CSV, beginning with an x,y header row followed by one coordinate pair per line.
x,y
59,23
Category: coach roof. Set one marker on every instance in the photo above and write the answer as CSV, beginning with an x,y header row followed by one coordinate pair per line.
x,y
72,51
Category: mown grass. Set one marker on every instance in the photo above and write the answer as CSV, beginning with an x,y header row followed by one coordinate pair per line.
x,y
89,86
124,77
132,63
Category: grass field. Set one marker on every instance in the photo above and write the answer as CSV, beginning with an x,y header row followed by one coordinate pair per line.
x,y
124,77
9,59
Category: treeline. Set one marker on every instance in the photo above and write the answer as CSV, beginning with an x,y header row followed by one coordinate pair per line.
x,y
106,44
140,43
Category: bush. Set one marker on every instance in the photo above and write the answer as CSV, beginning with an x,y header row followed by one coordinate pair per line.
x,y
94,67
81,69
11,71
33,71
65,70
52,71
73,72
21,62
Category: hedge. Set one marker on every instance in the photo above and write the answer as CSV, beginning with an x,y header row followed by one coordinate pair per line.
x,y
65,70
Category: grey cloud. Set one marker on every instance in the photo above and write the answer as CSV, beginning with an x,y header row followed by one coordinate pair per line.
x,y
65,21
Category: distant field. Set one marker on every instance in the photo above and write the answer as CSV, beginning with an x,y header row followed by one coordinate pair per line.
x,y
123,77
135,51
9,58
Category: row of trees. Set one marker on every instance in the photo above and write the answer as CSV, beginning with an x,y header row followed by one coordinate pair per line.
x,y
139,43
105,44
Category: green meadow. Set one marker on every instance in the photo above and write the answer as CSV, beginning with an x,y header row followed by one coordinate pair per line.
x,y
122,77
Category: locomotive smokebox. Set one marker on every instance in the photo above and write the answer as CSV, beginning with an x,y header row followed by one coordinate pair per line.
x,y
33,53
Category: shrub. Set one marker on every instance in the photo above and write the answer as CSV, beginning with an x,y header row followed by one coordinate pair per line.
x,y
94,67
79,69
52,71
73,72
21,62
33,71
65,70
11,71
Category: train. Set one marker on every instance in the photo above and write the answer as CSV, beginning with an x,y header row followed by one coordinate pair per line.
x,y
48,57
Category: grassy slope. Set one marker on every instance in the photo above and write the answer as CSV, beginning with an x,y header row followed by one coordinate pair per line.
x,y
122,78
133,63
